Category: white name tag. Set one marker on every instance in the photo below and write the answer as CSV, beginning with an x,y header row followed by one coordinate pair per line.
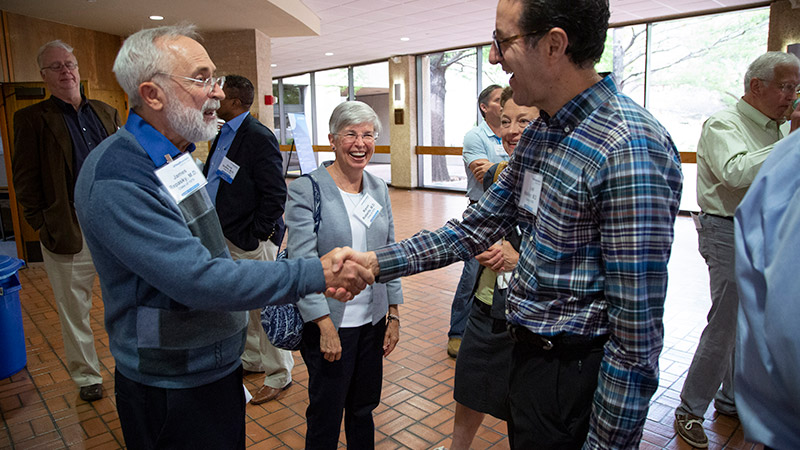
x,y
500,150
531,191
227,170
367,210
181,177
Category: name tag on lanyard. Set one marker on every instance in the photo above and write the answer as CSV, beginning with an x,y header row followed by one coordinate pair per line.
x,y
181,177
531,192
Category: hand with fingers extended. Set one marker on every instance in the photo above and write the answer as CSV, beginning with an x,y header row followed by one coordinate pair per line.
x,y
345,274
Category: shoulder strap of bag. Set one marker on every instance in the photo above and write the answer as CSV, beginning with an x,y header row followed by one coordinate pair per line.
x,y
317,202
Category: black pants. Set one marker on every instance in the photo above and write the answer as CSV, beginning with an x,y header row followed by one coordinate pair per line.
x,y
208,416
351,385
551,394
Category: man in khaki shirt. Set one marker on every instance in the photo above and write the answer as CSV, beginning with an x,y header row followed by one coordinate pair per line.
x,y
733,145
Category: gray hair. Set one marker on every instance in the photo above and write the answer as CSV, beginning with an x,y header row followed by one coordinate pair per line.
x,y
764,66
141,58
58,43
353,113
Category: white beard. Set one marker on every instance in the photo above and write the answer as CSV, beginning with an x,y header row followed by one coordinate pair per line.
x,y
190,123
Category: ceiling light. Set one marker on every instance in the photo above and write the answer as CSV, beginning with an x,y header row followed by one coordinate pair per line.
x,y
156,17
405,39
273,65
329,54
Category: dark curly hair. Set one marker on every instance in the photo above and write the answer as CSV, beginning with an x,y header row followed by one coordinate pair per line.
x,y
584,21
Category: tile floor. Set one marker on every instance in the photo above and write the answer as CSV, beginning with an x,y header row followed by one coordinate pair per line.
x,y
40,408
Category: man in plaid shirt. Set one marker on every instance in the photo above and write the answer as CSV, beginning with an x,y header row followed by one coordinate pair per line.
x,y
594,185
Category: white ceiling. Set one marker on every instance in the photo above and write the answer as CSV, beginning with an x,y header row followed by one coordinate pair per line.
x,y
353,30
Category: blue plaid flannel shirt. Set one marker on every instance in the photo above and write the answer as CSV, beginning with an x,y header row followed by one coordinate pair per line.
x,y
593,260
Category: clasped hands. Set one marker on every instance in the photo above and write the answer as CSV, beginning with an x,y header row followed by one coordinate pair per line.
x,y
499,257
348,272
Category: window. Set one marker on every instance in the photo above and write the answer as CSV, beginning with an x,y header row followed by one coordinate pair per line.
x,y
697,68
371,86
449,109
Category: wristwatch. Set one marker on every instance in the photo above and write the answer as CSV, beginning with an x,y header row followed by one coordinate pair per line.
x,y
390,317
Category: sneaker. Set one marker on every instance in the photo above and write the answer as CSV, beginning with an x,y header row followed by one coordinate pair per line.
x,y
690,428
453,344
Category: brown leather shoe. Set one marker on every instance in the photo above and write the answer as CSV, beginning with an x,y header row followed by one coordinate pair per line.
x,y
91,393
266,393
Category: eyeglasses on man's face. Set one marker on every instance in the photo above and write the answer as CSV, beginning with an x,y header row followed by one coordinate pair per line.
x,y
57,67
499,42
350,137
207,84
786,88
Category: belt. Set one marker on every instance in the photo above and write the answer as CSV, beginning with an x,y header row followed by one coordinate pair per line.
x,y
559,342
719,217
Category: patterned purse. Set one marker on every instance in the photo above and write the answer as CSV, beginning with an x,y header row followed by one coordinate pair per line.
x,y
283,324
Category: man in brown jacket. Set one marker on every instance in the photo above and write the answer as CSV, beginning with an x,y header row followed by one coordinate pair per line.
x,y
51,140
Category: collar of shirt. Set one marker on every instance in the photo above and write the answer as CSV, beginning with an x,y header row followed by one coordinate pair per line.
x,y
236,122
484,127
757,116
576,110
67,107
154,143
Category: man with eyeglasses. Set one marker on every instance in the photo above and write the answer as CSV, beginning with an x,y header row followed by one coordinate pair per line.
x,y
245,181
175,302
594,185
51,141
733,145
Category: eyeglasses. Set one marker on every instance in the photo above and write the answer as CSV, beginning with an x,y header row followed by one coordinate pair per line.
x,y
786,88
56,67
206,83
351,137
498,42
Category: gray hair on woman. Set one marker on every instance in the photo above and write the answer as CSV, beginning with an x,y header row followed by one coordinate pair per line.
x,y
353,113
764,66
141,57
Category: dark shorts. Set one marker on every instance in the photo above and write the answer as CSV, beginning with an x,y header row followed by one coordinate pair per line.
x,y
483,364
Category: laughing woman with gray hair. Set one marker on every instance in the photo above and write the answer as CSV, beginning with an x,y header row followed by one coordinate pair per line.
x,y
343,344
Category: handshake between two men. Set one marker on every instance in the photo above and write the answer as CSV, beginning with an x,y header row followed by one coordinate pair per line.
x,y
348,272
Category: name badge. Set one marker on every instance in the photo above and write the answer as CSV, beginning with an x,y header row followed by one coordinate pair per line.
x,y
531,192
181,177
227,170
367,210
500,150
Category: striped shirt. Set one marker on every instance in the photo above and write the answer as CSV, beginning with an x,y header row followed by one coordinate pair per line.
x,y
593,259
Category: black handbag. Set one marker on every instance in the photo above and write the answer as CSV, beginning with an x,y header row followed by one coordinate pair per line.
x,y
283,324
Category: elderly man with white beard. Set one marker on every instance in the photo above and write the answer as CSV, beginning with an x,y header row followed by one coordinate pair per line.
x,y
175,302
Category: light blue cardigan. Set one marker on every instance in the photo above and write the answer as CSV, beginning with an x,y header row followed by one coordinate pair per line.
x,y
334,231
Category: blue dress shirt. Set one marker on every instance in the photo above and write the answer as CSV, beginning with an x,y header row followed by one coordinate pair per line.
x,y
226,135
767,348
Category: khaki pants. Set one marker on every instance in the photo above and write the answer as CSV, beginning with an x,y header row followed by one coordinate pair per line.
x,y
72,278
259,354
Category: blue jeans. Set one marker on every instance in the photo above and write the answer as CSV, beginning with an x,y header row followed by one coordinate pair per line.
x,y
459,311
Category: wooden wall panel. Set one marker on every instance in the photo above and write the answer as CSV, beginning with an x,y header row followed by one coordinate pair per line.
x,y
94,50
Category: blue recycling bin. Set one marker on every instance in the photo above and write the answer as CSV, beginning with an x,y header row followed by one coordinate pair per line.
x,y
12,336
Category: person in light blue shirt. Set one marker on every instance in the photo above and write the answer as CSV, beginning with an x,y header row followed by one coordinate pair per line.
x,y
482,150
767,348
